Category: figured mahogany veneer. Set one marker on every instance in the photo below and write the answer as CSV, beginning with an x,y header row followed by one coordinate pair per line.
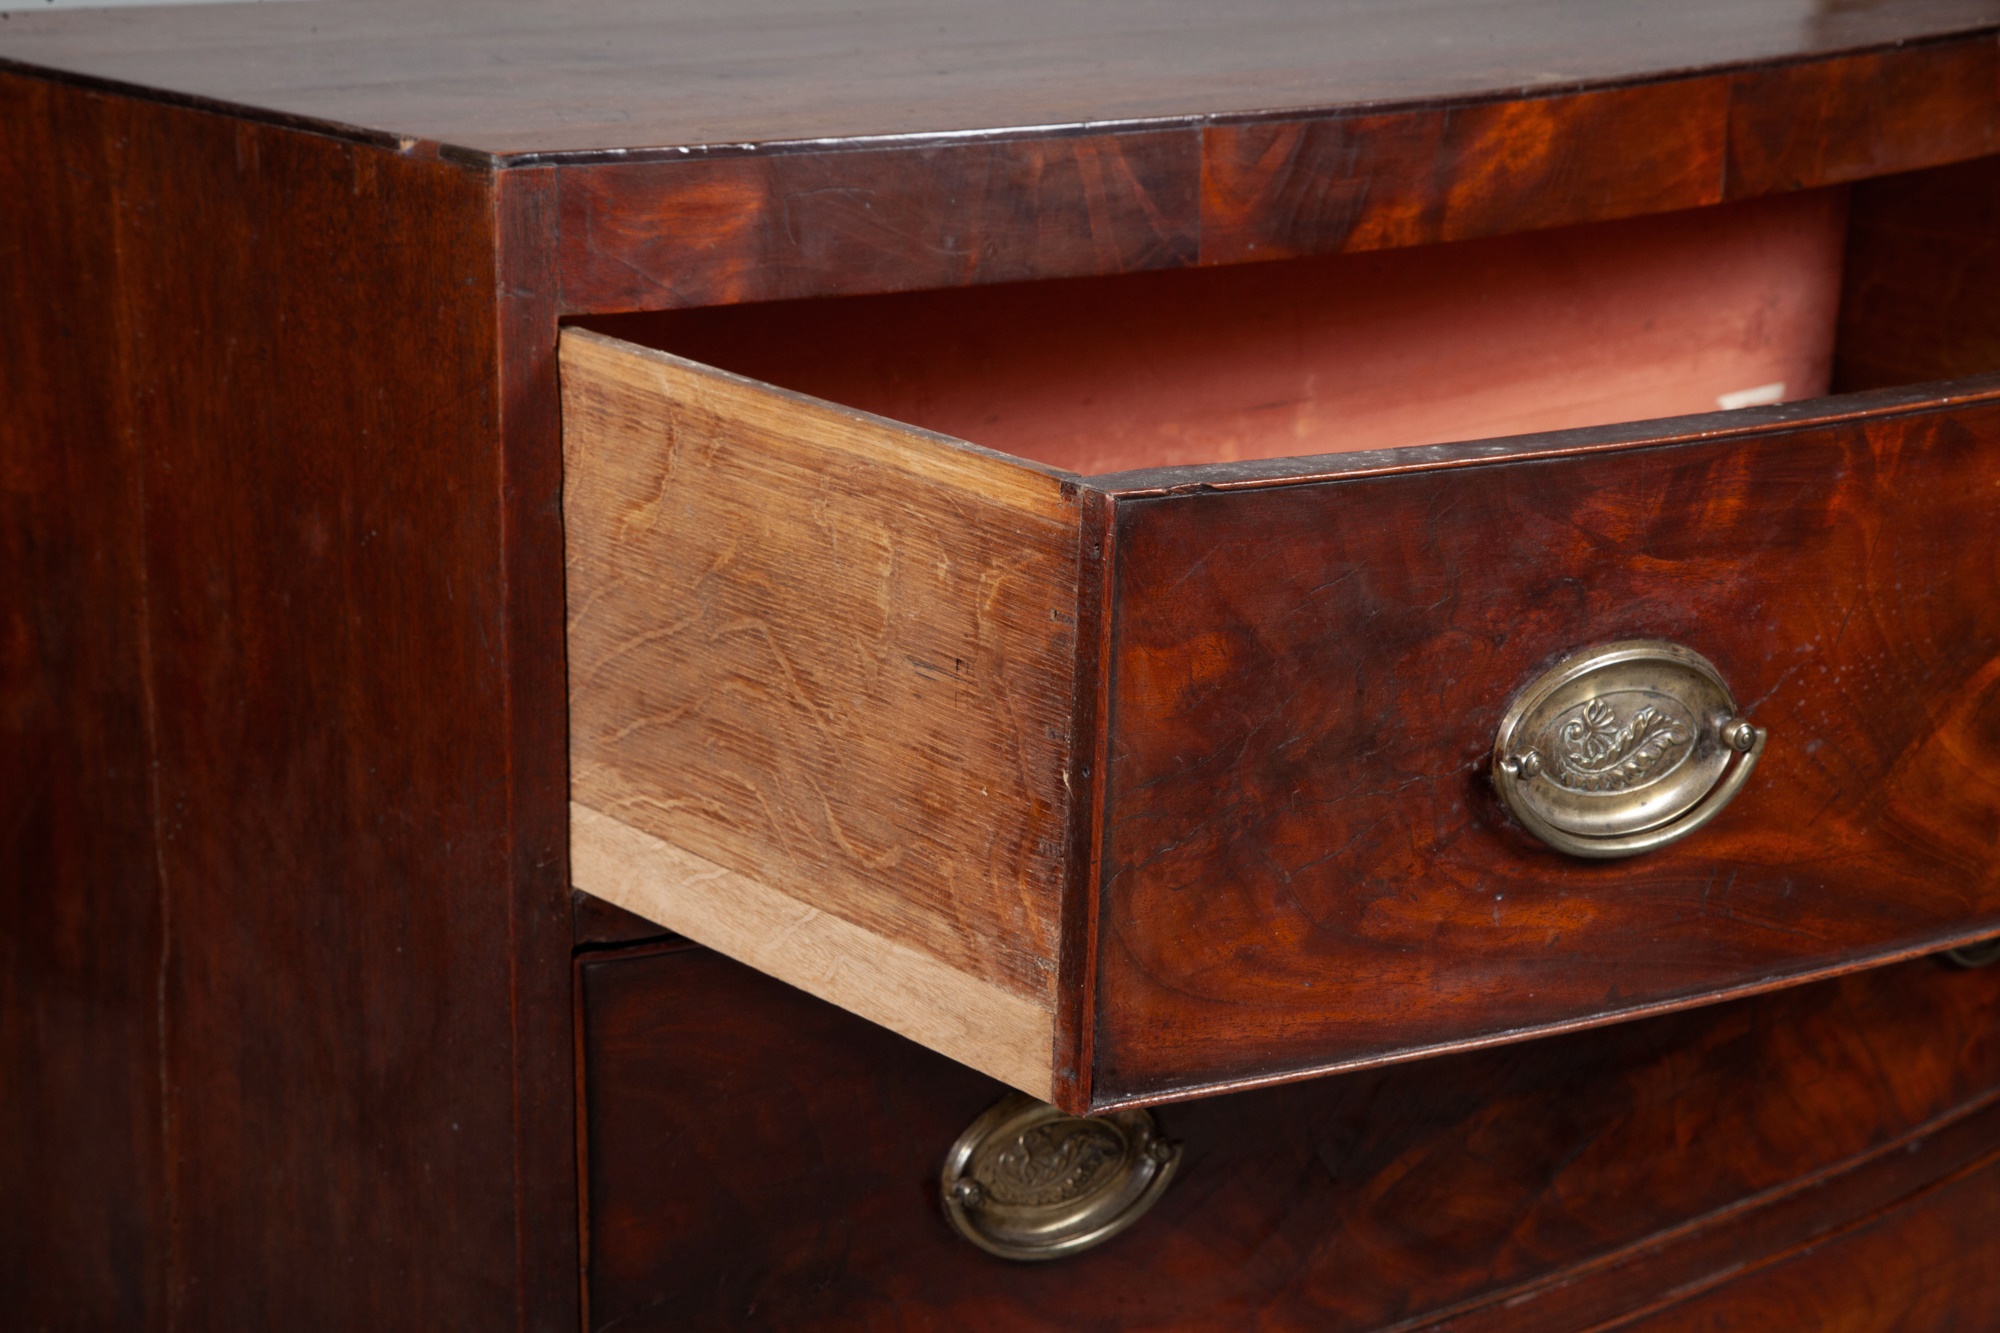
x,y
1303,860
1819,1158
713,226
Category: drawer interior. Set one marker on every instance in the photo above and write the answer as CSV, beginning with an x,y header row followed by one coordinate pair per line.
x,y
1761,301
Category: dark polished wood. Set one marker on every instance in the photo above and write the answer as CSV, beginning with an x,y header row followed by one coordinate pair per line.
x,y
715,154
1862,116
1931,1262
598,923
834,219
1261,734
823,223
82,927
1305,862
1921,300
535,826
758,1159
286,1037
1276,189
521,78
1707,1259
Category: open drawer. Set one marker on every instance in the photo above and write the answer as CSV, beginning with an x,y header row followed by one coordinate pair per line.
x,y
1149,757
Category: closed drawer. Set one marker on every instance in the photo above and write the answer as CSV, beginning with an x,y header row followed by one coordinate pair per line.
x,y
1126,786
753,1158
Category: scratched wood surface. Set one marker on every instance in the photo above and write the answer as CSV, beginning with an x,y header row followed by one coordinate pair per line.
x,y
1304,859
1547,1187
834,657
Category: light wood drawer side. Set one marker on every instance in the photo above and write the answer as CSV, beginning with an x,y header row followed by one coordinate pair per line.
x,y
821,688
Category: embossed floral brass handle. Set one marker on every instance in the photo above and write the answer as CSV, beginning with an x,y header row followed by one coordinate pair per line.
x,y
1026,1181
1622,748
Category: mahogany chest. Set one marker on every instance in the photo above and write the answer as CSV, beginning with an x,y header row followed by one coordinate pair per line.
x,y
1329,665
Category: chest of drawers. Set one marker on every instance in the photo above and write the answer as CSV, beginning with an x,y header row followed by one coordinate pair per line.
x,y
1074,536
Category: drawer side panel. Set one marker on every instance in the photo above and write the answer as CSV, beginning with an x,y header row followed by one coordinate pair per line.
x,y
832,658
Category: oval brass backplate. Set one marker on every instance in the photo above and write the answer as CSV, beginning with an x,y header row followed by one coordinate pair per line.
x,y
1622,748
1026,1181
1983,954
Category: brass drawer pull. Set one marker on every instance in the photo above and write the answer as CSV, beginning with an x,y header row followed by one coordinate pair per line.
x,y
1026,1181
1983,954
1622,748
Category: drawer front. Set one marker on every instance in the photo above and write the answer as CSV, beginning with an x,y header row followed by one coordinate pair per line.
x,y
755,1158
1305,863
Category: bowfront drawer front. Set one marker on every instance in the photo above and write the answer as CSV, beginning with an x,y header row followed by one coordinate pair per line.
x,y
1126,787
1305,858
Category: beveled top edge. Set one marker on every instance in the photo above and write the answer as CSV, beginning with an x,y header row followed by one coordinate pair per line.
x,y
518,83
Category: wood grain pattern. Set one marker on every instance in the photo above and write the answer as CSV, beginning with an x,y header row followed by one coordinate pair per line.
x,y
831,655
839,220
1306,865
295,933
284,932
1548,1185
82,926
1277,189
807,224
1863,116
1708,1256
759,151
1931,1262
1231,946
1342,184
991,1028
540,919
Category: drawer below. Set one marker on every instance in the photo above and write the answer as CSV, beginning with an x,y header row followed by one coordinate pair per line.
x,y
756,1158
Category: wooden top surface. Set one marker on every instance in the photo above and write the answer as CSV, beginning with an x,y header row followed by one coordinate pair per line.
x,y
593,78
